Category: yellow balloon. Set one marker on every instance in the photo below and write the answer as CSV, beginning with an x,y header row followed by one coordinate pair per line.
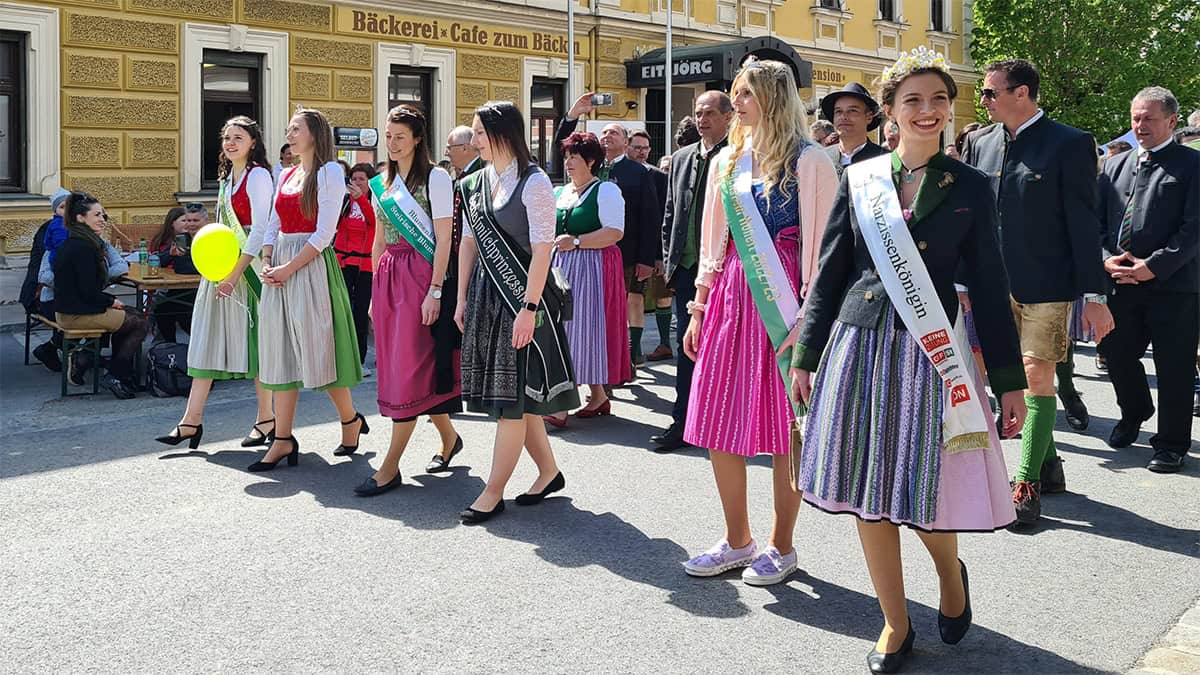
x,y
215,251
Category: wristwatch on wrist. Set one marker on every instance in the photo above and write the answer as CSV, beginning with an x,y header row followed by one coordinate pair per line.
x,y
531,306
435,292
575,242
1096,298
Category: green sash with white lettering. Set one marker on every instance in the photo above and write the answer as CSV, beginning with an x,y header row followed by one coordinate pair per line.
x,y
229,218
406,215
774,298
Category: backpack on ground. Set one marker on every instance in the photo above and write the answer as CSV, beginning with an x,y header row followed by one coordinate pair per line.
x,y
168,370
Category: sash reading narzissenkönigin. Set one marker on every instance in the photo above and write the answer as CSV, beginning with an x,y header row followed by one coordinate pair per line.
x,y
406,215
547,370
908,284
774,298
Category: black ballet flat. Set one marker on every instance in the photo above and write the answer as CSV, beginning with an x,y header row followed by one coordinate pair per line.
x,y
177,437
342,449
472,516
293,457
369,488
264,437
439,463
528,499
953,629
891,662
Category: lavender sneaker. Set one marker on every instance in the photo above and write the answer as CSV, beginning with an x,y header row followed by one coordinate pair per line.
x,y
720,558
770,567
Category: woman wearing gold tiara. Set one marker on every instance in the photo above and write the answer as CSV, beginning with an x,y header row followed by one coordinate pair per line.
x,y
899,432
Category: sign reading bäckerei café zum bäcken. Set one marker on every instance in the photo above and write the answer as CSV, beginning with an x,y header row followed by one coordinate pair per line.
x,y
448,32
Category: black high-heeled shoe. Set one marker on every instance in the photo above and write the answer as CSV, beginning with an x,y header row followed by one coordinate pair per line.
x,y
953,629
293,457
265,439
342,449
531,498
472,516
178,437
880,662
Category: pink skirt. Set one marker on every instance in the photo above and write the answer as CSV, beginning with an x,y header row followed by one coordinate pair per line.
x,y
616,317
738,402
404,347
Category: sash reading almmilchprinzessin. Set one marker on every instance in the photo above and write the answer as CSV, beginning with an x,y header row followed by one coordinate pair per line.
x,y
774,298
410,220
907,281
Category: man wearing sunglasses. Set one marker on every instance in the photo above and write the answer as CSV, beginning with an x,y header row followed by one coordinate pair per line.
x,y
462,155
1044,176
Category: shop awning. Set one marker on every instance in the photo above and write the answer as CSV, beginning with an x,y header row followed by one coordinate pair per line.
x,y
713,63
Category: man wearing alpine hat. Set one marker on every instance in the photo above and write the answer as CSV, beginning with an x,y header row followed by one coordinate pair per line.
x,y
853,113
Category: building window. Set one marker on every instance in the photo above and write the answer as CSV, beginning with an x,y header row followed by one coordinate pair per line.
x,y
887,10
937,15
830,4
230,85
412,86
12,112
546,108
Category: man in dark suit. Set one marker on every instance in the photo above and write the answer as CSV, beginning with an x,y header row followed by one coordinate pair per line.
x,y
1044,177
681,241
658,296
853,113
1150,202
640,247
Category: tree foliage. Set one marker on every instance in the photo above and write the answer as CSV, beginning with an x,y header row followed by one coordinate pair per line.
x,y
1094,55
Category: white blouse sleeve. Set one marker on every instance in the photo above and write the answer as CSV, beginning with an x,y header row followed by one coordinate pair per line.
x,y
538,198
271,231
331,189
441,194
611,205
261,189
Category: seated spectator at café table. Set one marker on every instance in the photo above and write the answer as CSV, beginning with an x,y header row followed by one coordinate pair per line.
x,y
172,245
82,271
47,352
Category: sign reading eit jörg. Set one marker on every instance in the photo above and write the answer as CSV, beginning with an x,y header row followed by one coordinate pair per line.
x,y
452,33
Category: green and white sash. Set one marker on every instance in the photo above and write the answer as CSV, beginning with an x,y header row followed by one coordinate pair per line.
x,y
406,215
908,285
774,298
226,214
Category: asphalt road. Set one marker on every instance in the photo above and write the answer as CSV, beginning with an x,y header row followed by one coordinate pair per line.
x,y
123,555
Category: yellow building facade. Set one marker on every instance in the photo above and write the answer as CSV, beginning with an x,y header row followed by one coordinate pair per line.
x,y
120,97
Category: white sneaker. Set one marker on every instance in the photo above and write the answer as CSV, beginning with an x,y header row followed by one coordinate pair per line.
x,y
720,559
367,372
770,567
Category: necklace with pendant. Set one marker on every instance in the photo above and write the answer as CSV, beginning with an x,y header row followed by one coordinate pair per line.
x,y
908,175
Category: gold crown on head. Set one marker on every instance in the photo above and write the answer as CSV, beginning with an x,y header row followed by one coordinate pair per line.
x,y
921,57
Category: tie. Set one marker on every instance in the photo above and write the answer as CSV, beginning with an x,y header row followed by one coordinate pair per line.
x,y
605,169
1125,234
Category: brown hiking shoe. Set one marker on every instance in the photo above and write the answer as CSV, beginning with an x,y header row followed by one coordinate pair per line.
x,y
1027,500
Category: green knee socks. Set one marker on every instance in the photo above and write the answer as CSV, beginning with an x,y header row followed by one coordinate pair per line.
x,y
635,343
662,316
1037,437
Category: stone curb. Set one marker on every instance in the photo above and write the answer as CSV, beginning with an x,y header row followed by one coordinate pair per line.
x,y
1176,652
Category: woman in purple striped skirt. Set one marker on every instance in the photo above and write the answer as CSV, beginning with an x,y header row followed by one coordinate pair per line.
x,y
874,445
591,220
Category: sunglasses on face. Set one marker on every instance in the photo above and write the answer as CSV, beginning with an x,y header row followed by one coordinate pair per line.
x,y
194,207
990,94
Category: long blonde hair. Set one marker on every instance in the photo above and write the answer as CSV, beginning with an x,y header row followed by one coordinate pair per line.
x,y
782,129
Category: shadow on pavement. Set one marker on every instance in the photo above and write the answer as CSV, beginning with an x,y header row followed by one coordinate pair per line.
x,y
836,609
424,502
567,536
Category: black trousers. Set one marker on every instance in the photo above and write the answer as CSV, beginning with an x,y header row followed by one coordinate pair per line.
x,y
358,284
684,283
1171,323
